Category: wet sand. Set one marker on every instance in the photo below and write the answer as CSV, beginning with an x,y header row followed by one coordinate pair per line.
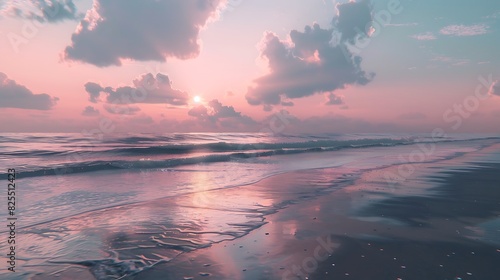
x,y
442,222
440,238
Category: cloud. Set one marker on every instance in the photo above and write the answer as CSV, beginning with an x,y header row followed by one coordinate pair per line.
x,y
147,89
214,114
140,30
121,109
90,111
267,108
310,63
493,16
495,88
94,91
51,11
353,18
465,30
428,36
450,60
14,95
333,99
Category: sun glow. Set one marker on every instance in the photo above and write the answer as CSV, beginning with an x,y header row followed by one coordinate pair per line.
x,y
197,99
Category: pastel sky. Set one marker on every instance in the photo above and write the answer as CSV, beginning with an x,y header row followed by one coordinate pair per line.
x,y
238,65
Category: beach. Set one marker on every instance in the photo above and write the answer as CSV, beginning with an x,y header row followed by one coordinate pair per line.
x,y
447,229
335,212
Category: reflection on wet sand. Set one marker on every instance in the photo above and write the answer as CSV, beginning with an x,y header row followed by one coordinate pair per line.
x,y
367,230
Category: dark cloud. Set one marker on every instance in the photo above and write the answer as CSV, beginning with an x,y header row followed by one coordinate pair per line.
x,y
42,10
353,19
333,99
90,111
147,89
14,95
140,30
311,64
94,91
214,114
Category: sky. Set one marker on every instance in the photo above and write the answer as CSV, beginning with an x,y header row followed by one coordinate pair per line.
x,y
242,65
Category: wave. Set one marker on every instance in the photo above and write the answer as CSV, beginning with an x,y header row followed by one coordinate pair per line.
x,y
243,152
214,152
229,147
133,146
35,153
217,147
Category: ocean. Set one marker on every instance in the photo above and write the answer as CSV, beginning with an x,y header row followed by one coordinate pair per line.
x,y
115,207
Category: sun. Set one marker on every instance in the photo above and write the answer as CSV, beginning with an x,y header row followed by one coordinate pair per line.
x,y
197,99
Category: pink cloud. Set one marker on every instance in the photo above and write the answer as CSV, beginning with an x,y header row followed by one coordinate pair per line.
x,y
465,30
146,89
428,36
215,114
